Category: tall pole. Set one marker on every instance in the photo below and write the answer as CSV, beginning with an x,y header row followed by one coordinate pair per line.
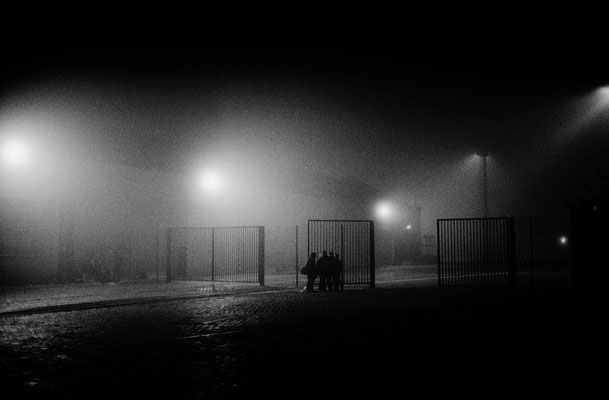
x,y
485,185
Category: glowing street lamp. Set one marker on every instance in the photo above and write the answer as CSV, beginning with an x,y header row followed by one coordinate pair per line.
x,y
385,211
211,181
15,153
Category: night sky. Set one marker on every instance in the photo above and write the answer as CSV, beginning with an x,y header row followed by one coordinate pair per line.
x,y
400,97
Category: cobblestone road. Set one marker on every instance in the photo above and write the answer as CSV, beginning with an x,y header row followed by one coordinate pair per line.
x,y
286,344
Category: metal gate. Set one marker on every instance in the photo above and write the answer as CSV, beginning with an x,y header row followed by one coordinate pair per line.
x,y
476,252
226,254
352,240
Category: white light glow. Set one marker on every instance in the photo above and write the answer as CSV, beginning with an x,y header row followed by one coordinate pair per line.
x,y
15,153
409,227
211,181
563,240
384,211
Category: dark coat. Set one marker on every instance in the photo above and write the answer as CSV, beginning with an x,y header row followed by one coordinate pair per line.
x,y
323,265
311,266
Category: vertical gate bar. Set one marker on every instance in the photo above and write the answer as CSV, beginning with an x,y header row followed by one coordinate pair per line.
x,y
463,237
486,252
497,269
488,240
467,264
158,245
441,258
446,246
439,253
249,254
531,252
512,246
372,256
455,235
342,251
506,251
497,243
476,230
261,255
244,253
471,244
502,241
213,253
482,243
502,269
231,253
506,238
363,275
471,253
471,265
490,223
485,265
467,237
308,238
486,245
358,276
460,242
495,249
192,254
457,280
168,272
461,263
296,252
449,248
197,254
477,263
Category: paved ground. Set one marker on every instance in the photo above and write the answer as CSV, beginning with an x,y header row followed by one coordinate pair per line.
x,y
406,337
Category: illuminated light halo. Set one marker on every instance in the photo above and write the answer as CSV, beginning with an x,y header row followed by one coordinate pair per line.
x,y
15,153
384,210
211,181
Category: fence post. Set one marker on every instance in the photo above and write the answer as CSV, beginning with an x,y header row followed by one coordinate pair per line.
x,y
438,253
531,252
213,254
158,244
372,256
512,253
261,255
296,256
168,273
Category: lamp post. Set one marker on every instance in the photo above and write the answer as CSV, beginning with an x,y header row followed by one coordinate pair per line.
x,y
386,212
484,156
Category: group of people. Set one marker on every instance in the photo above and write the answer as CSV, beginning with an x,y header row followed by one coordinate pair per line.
x,y
329,270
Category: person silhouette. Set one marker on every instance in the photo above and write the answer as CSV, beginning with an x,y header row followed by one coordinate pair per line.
x,y
322,271
331,271
311,271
